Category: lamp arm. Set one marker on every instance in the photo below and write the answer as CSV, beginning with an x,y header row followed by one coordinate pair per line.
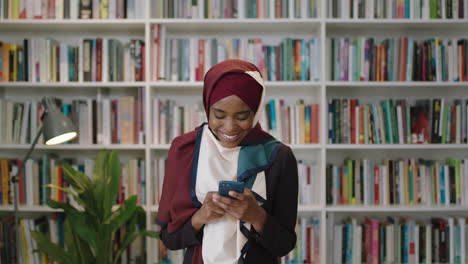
x,y
28,154
15,180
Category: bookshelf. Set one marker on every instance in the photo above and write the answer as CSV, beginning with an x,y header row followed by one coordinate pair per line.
x,y
271,30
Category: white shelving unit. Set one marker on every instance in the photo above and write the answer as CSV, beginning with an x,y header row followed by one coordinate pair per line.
x,y
323,153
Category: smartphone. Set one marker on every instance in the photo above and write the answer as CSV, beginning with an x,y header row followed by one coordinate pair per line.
x,y
226,186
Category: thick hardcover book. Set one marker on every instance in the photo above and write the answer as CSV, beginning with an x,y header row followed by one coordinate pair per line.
x,y
94,121
449,8
87,60
99,59
5,62
26,50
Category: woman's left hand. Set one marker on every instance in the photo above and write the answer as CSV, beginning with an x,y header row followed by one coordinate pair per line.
x,y
245,208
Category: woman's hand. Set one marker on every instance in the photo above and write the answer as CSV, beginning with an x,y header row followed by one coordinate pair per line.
x,y
245,208
209,211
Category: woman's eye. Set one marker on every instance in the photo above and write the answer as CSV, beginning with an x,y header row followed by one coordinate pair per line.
x,y
219,117
243,117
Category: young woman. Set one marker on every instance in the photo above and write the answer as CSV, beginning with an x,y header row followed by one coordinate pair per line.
x,y
257,226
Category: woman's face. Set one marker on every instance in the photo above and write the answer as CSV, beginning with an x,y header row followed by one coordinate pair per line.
x,y
230,120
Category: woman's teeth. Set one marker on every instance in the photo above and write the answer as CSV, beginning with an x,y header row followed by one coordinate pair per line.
x,y
230,137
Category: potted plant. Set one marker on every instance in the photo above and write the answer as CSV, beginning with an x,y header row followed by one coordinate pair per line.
x,y
89,231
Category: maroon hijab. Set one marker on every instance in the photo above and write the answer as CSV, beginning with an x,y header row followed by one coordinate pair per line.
x,y
229,76
176,206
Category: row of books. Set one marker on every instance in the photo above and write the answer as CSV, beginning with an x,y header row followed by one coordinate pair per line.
x,y
230,9
170,119
307,248
282,9
397,182
398,59
8,242
356,59
98,121
367,182
196,9
48,60
137,251
71,9
9,253
407,9
121,120
157,179
308,172
133,181
187,59
125,62
440,240
53,227
292,123
39,173
398,121
309,179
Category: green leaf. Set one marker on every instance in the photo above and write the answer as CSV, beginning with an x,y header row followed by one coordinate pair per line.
x,y
53,186
123,214
105,243
112,181
138,220
78,180
100,166
70,243
83,187
89,231
150,233
100,183
75,197
78,221
76,246
58,205
53,251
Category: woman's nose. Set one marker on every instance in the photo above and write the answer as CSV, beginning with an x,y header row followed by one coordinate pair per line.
x,y
230,125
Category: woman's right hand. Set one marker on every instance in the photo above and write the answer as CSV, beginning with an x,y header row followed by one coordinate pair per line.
x,y
209,211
